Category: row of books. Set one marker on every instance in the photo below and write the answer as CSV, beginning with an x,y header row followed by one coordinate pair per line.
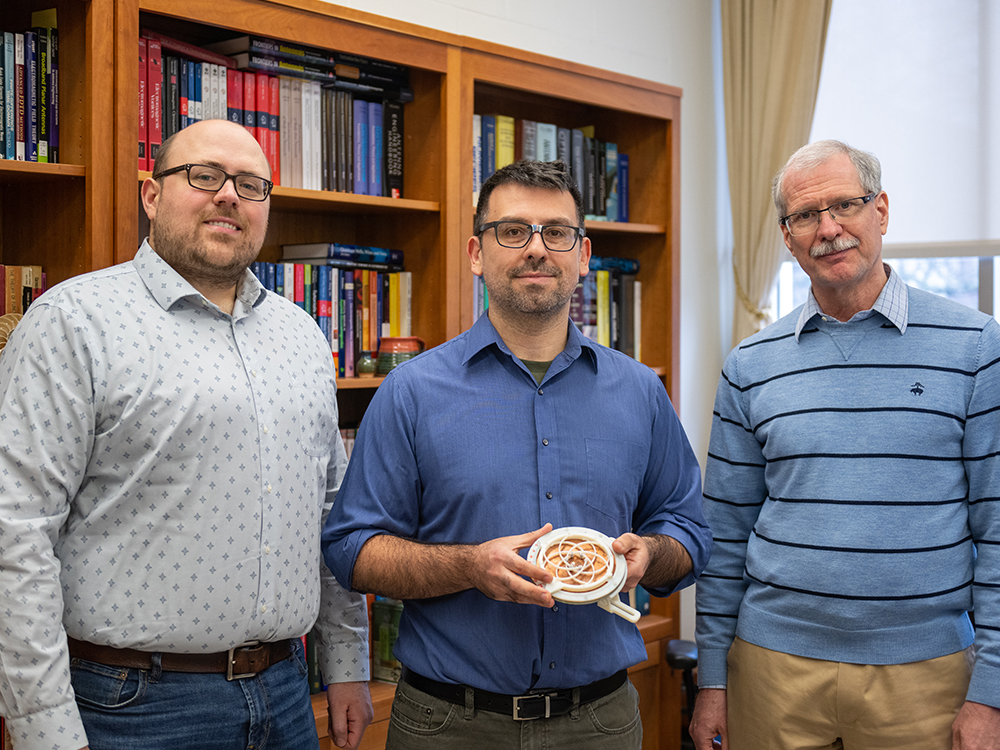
x,y
316,135
29,91
600,172
354,306
607,305
20,285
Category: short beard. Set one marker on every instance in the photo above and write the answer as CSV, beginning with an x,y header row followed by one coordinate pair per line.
x,y
829,247
527,302
192,261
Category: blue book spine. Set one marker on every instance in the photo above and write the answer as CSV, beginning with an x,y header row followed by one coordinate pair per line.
x,y
623,187
184,102
322,284
8,94
360,149
30,91
198,104
192,92
348,340
341,321
489,146
54,95
375,148
367,254
279,279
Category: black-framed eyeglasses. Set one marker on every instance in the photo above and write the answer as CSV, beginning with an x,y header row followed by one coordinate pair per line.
x,y
211,179
805,222
559,238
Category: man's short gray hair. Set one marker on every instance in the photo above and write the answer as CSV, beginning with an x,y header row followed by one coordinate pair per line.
x,y
814,155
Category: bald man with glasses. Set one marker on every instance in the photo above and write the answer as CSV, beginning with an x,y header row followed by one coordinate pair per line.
x,y
170,450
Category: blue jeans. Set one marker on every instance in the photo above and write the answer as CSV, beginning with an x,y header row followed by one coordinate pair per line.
x,y
422,722
129,709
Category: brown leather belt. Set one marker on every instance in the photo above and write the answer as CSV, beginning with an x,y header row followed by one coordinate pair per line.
x,y
236,663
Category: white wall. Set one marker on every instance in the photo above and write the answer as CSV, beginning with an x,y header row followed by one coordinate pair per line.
x,y
669,41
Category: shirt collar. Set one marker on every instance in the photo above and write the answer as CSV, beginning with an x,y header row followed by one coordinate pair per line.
x,y
893,303
483,334
168,287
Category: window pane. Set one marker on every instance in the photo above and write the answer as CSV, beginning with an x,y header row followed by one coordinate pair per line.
x,y
954,278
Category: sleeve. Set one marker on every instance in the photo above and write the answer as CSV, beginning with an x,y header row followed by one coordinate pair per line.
x,y
381,489
670,500
342,626
735,490
981,450
47,423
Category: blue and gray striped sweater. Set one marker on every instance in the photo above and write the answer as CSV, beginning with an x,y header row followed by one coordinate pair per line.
x,y
853,477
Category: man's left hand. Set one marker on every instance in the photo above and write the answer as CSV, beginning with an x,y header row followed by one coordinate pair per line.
x,y
637,556
351,712
977,727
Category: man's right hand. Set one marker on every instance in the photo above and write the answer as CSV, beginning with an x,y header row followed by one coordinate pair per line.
x,y
709,720
500,573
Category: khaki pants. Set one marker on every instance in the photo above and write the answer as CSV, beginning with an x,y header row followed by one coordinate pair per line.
x,y
778,701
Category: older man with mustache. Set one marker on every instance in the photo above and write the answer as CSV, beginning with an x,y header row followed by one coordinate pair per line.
x,y
852,489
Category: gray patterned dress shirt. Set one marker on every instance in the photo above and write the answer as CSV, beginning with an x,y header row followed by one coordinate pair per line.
x,y
164,474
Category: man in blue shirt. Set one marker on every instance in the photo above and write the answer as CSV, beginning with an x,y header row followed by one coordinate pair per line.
x,y
475,449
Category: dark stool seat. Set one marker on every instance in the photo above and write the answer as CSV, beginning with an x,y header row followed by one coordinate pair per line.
x,y
683,656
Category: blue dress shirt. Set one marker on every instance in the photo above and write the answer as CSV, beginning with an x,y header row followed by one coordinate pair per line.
x,y
461,445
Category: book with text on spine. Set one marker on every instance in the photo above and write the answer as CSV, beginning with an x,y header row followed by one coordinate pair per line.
x,y
341,251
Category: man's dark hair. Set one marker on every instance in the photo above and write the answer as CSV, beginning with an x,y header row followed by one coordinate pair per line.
x,y
553,175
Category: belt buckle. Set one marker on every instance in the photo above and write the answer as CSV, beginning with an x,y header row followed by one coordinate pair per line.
x,y
230,661
517,707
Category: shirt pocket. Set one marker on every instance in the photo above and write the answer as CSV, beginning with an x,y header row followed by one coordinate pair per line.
x,y
614,475
317,418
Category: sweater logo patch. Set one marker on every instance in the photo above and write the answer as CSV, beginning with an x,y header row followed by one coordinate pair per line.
x,y
916,389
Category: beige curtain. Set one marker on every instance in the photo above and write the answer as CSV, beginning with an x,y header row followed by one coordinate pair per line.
x,y
772,54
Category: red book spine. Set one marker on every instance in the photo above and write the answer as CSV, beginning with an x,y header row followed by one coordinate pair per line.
x,y
274,128
263,115
234,96
154,79
250,102
143,107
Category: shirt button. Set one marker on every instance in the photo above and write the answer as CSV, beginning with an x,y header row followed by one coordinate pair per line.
x,y
263,608
265,429
269,488
555,607
545,441
548,495
552,665
254,373
541,392
267,550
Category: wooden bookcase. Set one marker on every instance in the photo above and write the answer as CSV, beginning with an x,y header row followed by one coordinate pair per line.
x,y
83,214
59,215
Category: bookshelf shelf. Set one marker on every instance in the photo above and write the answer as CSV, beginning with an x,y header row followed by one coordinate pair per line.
x,y
26,171
359,383
286,198
620,227
293,198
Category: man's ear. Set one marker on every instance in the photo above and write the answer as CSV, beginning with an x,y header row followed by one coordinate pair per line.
x,y
475,251
150,195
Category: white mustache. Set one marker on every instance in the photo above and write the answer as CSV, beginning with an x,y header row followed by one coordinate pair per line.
x,y
829,247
